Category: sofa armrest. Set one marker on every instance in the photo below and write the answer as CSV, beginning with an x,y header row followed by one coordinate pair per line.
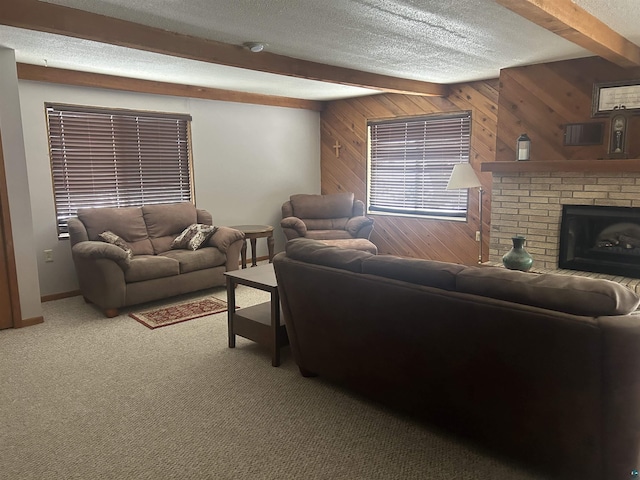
x,y
92,250
77,231
224,237
359,227
233,255
101,279
293,227
229,241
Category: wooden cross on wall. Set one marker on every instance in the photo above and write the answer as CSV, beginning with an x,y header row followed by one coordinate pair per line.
x,y
337,148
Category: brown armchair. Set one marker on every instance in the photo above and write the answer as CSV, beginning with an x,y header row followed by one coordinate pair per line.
x,y
325,217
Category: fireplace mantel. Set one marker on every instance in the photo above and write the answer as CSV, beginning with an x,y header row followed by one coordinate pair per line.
x,y
627,165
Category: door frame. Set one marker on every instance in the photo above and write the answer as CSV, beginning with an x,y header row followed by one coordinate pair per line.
x,y
5,223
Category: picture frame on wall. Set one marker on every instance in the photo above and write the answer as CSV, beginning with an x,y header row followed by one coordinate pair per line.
x,y
610,96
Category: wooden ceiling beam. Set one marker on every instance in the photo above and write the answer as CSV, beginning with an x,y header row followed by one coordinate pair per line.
x,y
97,80
51,18
572,22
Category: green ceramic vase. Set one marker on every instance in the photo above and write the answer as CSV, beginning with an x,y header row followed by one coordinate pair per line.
x,y
517,258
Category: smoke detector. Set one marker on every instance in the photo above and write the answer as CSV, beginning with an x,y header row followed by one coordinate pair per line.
x,y
255,47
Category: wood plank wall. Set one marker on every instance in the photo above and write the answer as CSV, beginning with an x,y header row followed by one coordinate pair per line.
x,y
345,121
537,99
541,99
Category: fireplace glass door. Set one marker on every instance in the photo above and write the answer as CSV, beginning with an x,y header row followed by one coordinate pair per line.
x,y
600,239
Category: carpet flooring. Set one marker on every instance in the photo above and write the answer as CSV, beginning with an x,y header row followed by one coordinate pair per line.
x,y
88,397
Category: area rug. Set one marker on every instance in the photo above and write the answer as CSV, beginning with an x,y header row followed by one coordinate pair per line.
x,y
180,312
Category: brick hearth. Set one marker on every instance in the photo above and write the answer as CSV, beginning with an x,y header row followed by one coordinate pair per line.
x,y
530,204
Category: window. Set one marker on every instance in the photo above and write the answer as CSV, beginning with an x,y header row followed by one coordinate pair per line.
x,y
410,162
116,158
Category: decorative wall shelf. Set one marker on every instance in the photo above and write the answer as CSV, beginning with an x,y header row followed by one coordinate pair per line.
x,y
627,165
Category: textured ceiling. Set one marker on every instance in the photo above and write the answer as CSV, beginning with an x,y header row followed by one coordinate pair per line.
x,y
44,49
621,15
430,40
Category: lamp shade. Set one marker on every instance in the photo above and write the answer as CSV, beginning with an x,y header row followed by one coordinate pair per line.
x,y
463,176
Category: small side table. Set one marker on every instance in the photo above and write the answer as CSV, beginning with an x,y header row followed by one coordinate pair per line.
x,y
261,323
253,232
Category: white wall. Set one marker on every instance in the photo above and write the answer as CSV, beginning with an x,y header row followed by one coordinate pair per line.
x,y
248,159
18,187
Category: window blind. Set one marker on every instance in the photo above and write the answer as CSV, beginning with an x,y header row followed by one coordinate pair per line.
x,y
116,158
410,162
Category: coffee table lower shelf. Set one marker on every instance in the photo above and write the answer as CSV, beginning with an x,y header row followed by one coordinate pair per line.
x,y
254,323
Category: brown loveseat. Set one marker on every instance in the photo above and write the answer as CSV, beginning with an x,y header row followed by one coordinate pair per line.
x,y
543,368
113,277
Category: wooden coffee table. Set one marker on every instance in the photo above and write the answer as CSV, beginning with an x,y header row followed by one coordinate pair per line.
x,y
261,323
252,233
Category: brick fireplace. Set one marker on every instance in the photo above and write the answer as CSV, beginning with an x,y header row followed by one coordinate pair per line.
x,y
529,203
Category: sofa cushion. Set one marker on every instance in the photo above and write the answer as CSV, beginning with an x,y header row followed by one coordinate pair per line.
x,y
193,237
334,205
114,239
328,234
564,293
165,221
429,273
126,222
147,267
313,251
352,243
207,257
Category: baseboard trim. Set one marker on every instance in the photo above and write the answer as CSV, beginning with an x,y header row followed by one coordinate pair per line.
x,y
58,296
29,322
258,260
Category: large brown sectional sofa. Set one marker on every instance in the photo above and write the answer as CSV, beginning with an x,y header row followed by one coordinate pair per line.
x,y
544,369
111,277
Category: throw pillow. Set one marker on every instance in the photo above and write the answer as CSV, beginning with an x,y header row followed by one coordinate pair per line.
x,y
193,237
110,237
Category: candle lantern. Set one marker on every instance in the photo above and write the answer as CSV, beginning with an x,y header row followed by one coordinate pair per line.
x,y
523,147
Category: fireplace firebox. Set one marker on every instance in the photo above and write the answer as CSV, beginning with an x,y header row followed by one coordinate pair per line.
x,y
600,239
